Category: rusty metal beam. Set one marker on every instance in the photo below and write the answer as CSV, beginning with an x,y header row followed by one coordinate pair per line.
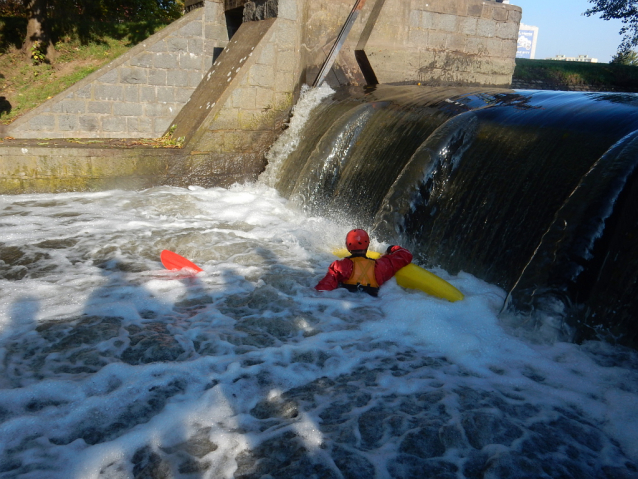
x,y
336,48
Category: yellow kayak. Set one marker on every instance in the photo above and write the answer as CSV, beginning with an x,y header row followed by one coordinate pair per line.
x,y
415,277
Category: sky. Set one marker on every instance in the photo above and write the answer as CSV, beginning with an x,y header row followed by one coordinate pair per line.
x,y
562,29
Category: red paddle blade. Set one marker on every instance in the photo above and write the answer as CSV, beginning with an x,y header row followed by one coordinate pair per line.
x,y
175,262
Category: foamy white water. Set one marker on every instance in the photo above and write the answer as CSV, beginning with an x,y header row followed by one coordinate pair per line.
x,y
113,367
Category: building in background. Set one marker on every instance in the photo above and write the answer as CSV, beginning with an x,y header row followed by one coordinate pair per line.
x,y
527,37
579,58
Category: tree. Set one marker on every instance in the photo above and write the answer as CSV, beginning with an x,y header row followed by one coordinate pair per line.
x,y
11,8
44,17
38,43
626,57
624,10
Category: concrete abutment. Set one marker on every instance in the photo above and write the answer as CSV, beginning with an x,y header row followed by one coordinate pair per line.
x,y
226,109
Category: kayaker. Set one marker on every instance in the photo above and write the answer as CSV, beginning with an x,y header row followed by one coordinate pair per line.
x,y
359,273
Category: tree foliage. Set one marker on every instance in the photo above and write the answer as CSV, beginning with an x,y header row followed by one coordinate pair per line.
x,y
626,57
12,8
48,19
116,10
624,10
98,10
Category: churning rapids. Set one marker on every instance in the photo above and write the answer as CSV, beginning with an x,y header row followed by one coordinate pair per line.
x,y
115,368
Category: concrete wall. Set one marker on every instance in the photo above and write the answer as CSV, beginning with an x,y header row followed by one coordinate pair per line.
x,y
229,123
138,94
34,168
456,42
443,42
97,165
435,42
248,94
322,22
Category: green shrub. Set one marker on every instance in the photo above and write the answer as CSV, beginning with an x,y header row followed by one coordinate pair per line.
x,y
577,73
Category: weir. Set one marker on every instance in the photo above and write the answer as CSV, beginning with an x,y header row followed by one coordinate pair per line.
x,y
534,191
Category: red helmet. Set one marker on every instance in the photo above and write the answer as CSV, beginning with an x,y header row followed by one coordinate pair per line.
x,y
357,240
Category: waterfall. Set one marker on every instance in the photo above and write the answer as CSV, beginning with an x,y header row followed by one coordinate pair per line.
x,y
530,190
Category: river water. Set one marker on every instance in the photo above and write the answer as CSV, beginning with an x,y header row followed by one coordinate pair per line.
x,y
113,367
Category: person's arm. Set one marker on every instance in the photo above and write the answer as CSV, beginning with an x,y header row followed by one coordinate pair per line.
x,y
395,258
338,272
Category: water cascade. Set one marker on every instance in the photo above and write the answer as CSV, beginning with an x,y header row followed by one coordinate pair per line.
x,y
534,191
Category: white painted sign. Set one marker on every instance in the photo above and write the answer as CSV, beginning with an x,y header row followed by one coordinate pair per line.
x,y
527,37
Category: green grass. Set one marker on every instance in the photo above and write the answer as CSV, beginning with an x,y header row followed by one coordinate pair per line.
x,y
24,85
577,73
45,85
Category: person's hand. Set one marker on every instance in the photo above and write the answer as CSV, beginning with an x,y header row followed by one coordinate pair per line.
x,y
389,250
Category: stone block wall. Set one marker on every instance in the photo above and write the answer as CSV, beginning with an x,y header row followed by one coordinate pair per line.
x,y
457,42
243,121
267,89
138,94
443,42
323,20
437,42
